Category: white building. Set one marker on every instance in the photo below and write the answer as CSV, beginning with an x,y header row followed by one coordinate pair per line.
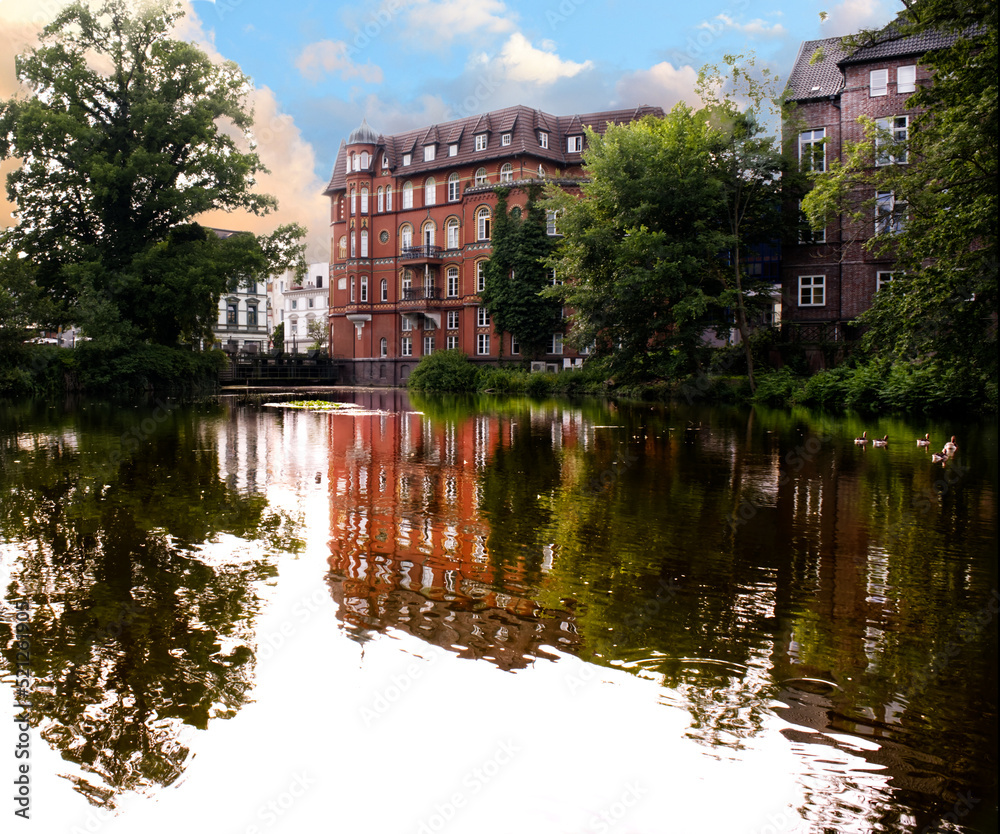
x,y
242,321
298,304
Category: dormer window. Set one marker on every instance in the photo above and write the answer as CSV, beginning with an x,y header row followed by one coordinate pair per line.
x,y
543,139
429,153
481,141
385,162
407,158
574,144
453,149
505,139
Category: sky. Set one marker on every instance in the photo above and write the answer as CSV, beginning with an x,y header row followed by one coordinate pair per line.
x,y
320,68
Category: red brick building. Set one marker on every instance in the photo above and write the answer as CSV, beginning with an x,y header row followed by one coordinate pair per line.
x,y
829,277
410,219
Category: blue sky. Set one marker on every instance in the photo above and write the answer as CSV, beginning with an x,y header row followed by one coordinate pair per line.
x,y
319,68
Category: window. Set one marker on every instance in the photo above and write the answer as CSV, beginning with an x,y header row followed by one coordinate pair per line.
x,y
890,213
543,139
406,346
381,200
482,317
452,342
388,198
550,222
385,162
505,139
881,279
454,188
451,233
232,313
574,144
430,192
364,243
428,345
384,290
364,199
906,79
452,320
483,223
878,82
310,302
364,160
406,236
480,276
407,158
892,131
364,288
506,172
428,233
407,325
452,288
353,290
354,246
541,172
807,234
354,201
481,176
481,140
812,290
319,282
407,195
429,151
556,344
812,150
356,160
383,347
553,280
407,282
483,344
515,347
453,149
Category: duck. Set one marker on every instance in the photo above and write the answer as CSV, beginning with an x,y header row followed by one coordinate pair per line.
x,y
881,441
861,441
939,457
925,440
950,448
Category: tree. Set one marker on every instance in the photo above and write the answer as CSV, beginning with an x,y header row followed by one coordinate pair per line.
x,y
516,274
316,330
943,299
116,165
278,337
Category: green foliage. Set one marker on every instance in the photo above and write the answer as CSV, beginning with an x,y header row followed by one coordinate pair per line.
x,y
278,337
776,387
316,330
444,370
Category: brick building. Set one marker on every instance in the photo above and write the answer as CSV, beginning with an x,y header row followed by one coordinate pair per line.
x,y
410,219
829,277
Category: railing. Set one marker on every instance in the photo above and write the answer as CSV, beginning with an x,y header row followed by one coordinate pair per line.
x,y
422,293
413,252
816,332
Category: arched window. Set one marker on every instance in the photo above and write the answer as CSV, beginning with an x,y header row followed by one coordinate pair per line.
x,y
383,347
481,176
364,243
407,281
354,201
364,160
388,198
354,249
541,172
385,290
364,199
452,288
506,172
407,195
385,162
483,223
364,288
381,199
405,236
427,234
480,276
342,247
452,233
454,188
430,191
357,162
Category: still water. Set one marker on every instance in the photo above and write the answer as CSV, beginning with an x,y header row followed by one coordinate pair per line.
x,y
485,615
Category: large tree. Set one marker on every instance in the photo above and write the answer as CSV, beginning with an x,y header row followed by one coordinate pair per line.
x,y
943,299
125,138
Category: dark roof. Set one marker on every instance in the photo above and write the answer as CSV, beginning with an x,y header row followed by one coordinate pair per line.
x,y
816,71
522,123
889,43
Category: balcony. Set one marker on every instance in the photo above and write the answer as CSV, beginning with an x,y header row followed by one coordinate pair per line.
x,y
427,292
421,253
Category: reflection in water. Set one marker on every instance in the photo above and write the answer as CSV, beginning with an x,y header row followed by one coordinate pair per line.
x,y
141,616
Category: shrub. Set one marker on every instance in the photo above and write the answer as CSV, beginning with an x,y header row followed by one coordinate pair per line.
x,y
776,387
444,370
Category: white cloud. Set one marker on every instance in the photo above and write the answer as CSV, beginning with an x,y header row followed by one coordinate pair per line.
x,y
853,15
523,62
327,56
662,84
754,27
453,19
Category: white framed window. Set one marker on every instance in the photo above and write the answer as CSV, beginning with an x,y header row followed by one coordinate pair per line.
x,y
310,302
541,172
543,139
806,233
505,139
428,345
481,141
354,286
882,278
384,292
406,346
481,178
364,243
812,150
890,213
515,347
407,195
452,276
891,132
553,280
482,317
574,144
383,347
364,199
388,198
812,290
451,233
906,79
550,222
407,158
480,276
454,188
483,344
354,201
429,151
356,162
364,288
381,199
427,233
878,82
385,162
364,160
452,320
407,325
430,191
556,344
407,284
406,236
483,223
452,342
354,246
506,172
453,149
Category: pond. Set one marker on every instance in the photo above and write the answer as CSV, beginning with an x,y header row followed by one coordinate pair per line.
x,y
493,615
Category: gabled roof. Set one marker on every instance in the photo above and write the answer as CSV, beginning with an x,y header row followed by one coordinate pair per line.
x,y
889,43
816,72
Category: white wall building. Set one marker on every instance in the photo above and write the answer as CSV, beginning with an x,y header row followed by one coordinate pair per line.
x,y
296,305
242,321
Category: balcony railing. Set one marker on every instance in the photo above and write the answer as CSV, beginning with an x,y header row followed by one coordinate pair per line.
x,y
424,293
421,252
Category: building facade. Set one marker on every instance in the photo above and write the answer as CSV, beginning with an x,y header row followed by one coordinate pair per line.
x,y
298,304
410,223
242,322
829,277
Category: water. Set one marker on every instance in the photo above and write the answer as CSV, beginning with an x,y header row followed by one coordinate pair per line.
x,y
478,615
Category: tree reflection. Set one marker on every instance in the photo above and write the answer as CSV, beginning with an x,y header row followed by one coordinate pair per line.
x,y
139,622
